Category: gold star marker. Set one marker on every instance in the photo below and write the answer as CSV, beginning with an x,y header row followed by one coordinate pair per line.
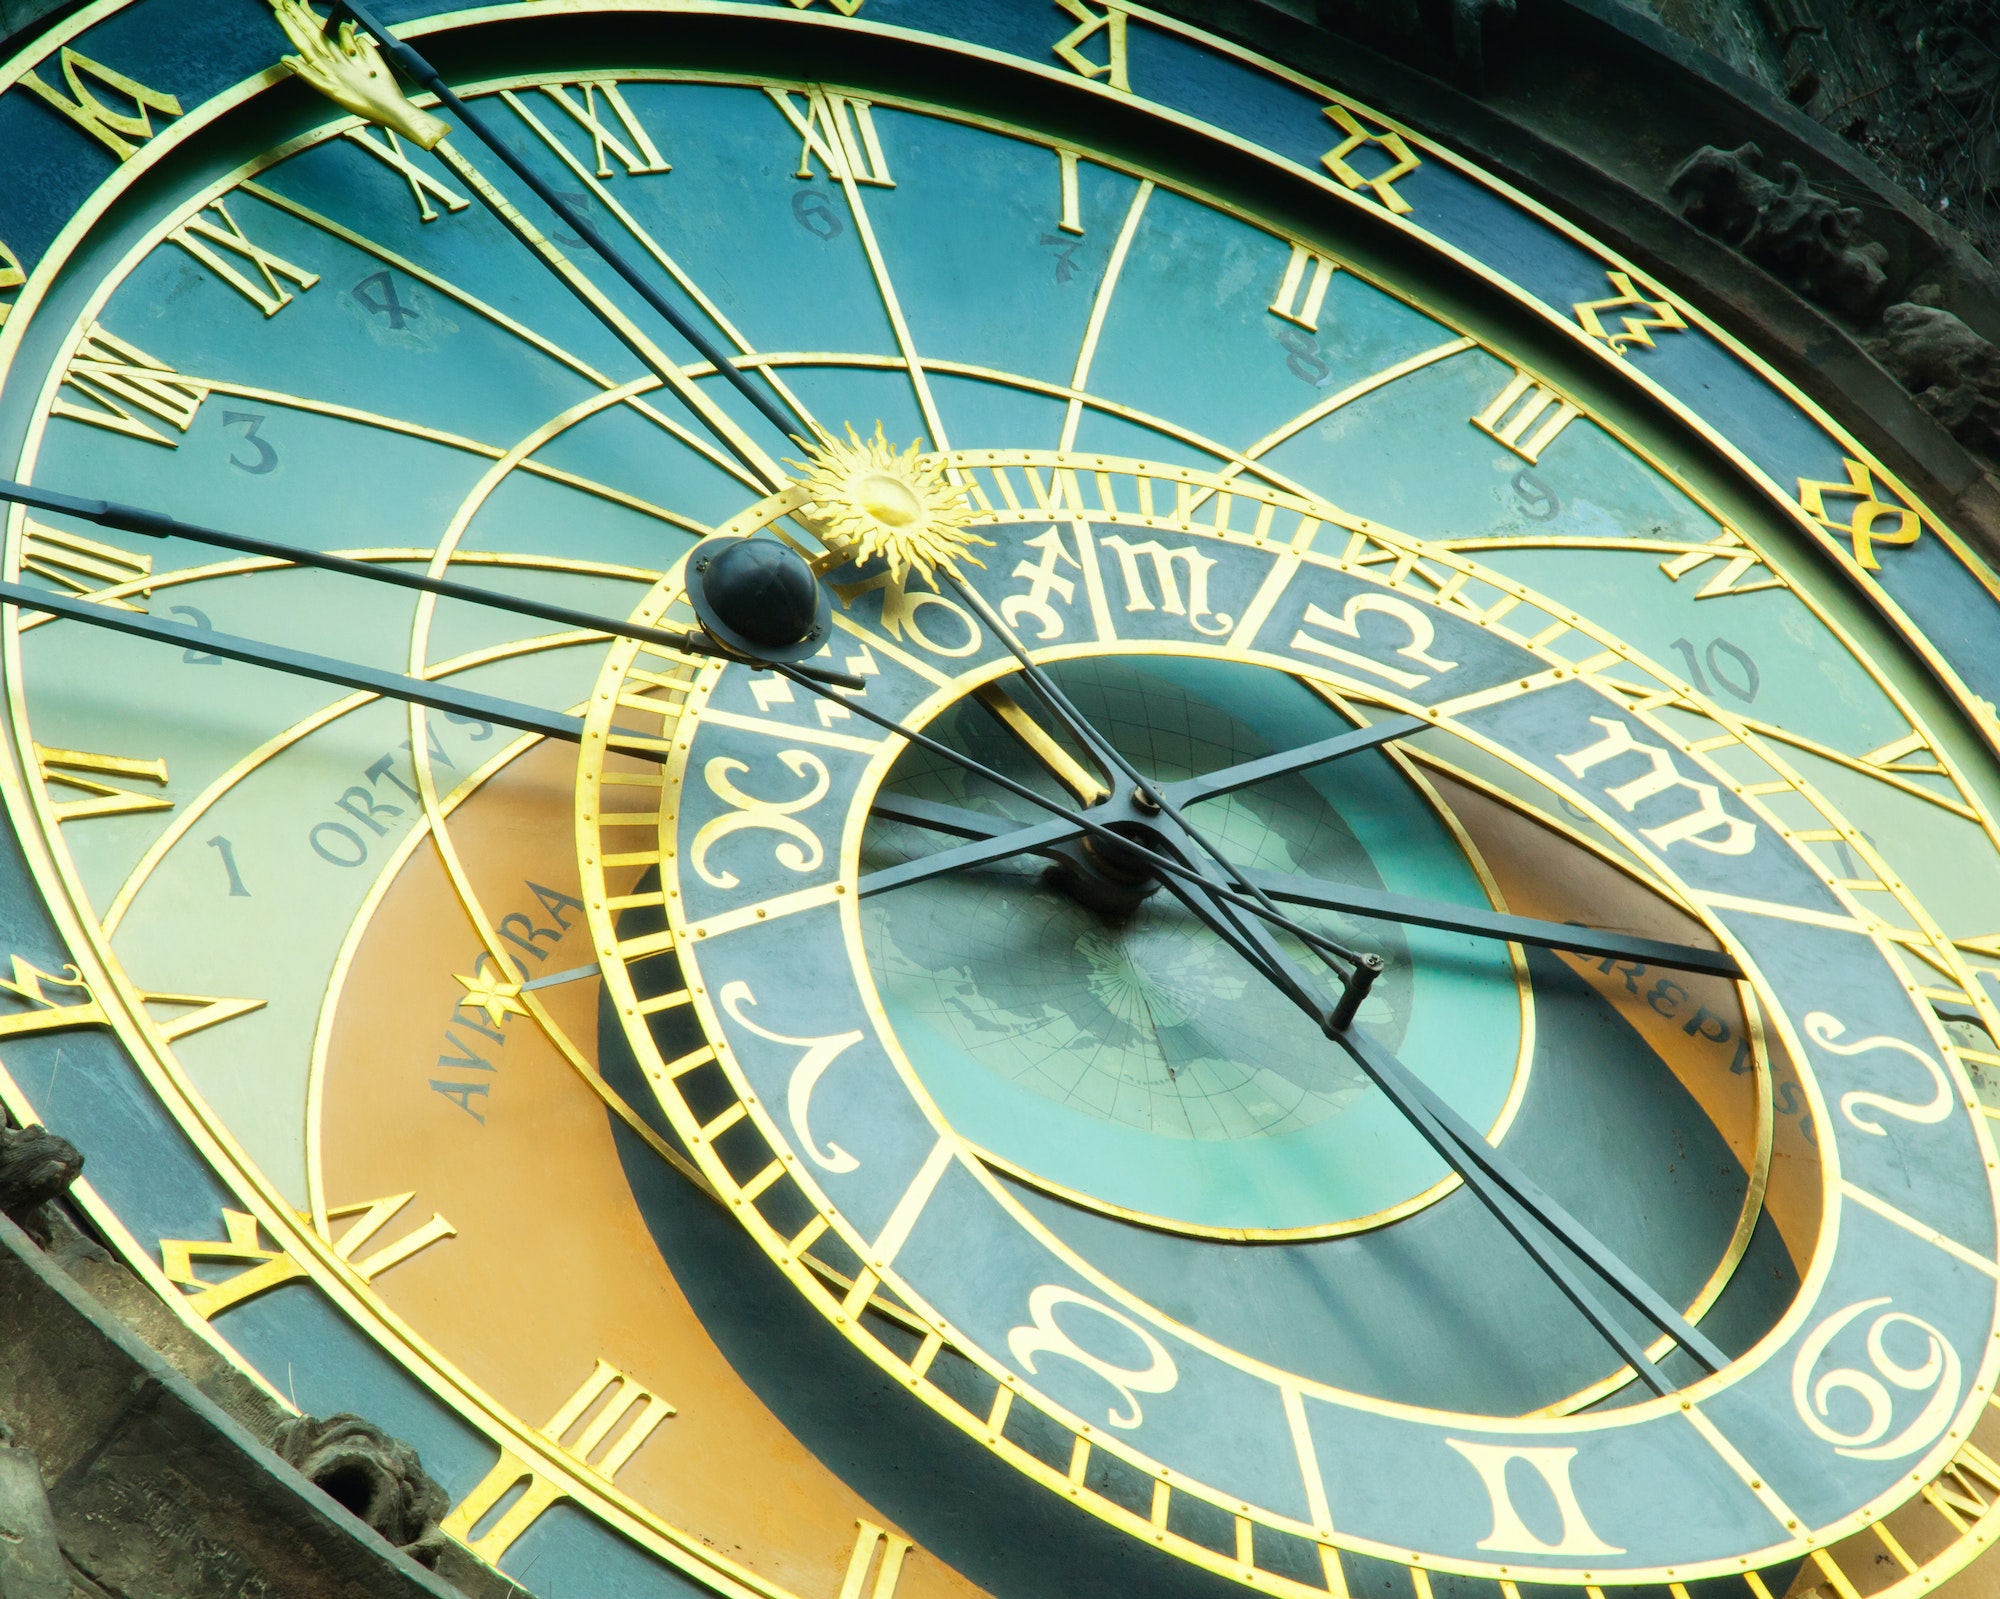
x,y
498,999
869,499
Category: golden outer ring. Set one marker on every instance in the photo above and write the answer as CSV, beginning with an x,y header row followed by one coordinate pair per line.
x,y
1399,562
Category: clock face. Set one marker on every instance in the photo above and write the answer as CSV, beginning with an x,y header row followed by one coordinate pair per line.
x,y
1381,977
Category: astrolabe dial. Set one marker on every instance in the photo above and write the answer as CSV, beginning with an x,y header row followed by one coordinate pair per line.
x,y
1264,924
1001,1081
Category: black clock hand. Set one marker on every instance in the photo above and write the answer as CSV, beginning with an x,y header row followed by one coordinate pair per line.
x,y
971,825
151,524
1362,970
413,66
1227,780
510,713
1517,1202
1005,838
1078,821
1385,906
302,663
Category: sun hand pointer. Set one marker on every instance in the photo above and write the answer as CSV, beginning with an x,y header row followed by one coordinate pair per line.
x,y
346,16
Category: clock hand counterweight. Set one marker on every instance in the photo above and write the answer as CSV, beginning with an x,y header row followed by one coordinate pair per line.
x,y
412,65
151,524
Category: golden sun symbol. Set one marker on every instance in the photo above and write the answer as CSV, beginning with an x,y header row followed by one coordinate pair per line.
x,y
873,499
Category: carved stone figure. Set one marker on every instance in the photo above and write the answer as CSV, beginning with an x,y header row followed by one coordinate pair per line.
x,y
375,1477
35,1167
1952,371
1787,227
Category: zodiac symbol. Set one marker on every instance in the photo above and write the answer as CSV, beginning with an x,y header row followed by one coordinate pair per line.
x,y
1824,1030
1938,1374
1043,1336
768,814
820,1053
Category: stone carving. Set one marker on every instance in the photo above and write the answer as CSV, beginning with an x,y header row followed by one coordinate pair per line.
x,y
35,1167
31,1560
375,1477
1788,227
1953,373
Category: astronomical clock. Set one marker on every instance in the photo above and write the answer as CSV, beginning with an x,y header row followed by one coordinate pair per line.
x,y
895,800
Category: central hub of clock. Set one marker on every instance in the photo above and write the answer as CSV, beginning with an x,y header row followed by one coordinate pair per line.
x,y
1080,1025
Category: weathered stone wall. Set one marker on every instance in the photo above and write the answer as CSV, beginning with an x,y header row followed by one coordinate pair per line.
x,y
1913,84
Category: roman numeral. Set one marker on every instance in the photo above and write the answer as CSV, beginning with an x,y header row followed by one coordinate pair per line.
x,y
267,1268
115,130
78,1007
194,1012
626,1415
1287,303
375,1214
201,238
840,131
390,152
70,768
867,1539
1966,1489
846,8
1655,316
1072,204
1873,521
1526,416
11,277
1737,559
645,157
1111,23
1510,1534
83,566
1383,184
119,379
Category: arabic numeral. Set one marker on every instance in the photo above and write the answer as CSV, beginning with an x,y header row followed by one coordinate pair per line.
x,y
813,212
1729,664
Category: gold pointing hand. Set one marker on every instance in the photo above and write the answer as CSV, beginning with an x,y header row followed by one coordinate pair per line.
x,y
348,69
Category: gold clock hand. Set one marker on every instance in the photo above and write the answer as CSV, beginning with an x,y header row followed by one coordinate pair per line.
x,y
345,16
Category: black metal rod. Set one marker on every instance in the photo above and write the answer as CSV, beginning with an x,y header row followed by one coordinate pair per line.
x,y
1492,924
414,66
302,663
1497,1182
1076,820
1519,1220
1409,1092
1059,703
1449,1137
1346,897
1212,785
151,524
